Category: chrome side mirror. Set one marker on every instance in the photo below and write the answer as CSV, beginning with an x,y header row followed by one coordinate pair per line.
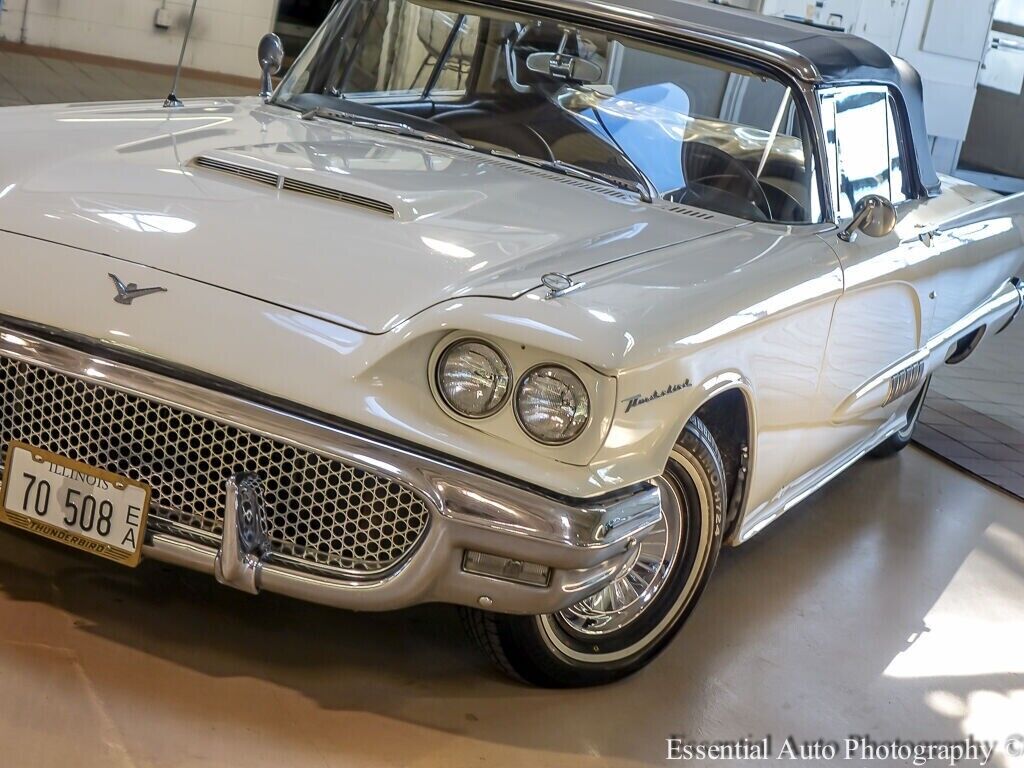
x,y
875,217
271,56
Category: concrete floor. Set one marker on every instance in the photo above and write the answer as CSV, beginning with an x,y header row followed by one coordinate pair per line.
x,y
891,604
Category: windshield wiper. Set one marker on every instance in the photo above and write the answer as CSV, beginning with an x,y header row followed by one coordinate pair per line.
x,y
568,169
395,127
399,128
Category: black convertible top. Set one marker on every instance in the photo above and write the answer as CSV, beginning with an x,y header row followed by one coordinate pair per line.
x,y
811,54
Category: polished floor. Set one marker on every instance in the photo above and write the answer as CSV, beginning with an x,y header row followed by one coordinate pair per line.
x,y
33,76
974,414
891,604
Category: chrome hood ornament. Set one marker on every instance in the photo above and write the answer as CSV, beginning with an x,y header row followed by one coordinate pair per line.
x,y
126,294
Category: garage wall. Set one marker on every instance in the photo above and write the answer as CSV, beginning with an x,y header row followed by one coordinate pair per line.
x,y
946,40
224,38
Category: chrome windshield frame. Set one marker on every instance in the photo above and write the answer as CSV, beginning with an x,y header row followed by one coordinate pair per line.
x,y
791,69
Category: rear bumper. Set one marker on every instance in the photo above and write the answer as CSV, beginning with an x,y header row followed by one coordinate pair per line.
x,y
581,543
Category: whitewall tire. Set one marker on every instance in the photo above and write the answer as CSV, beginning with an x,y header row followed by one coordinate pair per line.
x,y
624,626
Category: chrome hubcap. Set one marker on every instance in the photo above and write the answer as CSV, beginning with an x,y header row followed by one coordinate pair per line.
x,y
622,601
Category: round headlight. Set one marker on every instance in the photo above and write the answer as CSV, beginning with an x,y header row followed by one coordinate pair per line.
x,y
473,379
552,405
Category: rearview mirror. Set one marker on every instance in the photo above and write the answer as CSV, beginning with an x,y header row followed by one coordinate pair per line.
x,y
271,56
564,66
875,217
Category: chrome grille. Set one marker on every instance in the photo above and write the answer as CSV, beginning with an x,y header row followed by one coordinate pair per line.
x,y
322,514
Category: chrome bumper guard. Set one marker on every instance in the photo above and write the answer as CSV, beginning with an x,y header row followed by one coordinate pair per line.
x,y
583,543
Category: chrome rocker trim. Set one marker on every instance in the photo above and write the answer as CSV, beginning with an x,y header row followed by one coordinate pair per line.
x,y
584,542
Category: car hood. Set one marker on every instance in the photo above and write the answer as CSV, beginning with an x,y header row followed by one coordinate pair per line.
x,y
350,225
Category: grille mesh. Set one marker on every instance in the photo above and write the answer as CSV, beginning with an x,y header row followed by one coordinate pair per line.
x,y
322,513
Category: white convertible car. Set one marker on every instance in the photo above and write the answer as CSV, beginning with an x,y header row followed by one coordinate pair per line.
x,y
526,307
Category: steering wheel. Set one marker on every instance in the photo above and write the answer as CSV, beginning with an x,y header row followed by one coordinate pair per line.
x,y
709,168
495,130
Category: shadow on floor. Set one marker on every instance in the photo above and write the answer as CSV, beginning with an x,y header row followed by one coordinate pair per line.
x,y
798,627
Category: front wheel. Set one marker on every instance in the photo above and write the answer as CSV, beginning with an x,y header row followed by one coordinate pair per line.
x,y
620,629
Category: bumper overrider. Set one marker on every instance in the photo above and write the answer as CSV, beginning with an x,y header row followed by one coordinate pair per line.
x,y
479,540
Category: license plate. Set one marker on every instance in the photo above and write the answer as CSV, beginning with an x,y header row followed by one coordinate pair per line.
x,y
75,504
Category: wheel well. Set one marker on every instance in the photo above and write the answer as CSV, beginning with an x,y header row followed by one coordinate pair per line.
x,y
727,418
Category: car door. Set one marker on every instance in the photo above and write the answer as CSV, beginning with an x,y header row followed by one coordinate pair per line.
x,y
887,307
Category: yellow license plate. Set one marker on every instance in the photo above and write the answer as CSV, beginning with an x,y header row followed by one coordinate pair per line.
x,y
78,505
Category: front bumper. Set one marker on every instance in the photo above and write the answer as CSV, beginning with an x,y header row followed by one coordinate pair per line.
x,y
582,543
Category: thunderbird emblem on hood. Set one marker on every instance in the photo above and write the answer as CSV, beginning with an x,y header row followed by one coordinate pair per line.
x,y
126,294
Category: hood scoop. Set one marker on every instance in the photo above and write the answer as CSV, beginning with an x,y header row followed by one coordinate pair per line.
x,y
289,184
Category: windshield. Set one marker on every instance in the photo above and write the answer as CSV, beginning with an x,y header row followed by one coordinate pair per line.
x,y
686,128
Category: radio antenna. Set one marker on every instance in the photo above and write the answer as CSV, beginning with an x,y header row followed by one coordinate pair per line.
x,y
172,99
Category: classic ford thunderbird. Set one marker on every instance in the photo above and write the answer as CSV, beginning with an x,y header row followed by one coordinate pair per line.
x,y
525,307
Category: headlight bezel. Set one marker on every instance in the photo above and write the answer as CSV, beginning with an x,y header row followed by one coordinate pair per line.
x,y
522,380
504,425
439,388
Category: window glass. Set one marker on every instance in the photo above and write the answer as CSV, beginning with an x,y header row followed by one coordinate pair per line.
x,y
402,50
868,138
897,183
828,124
689,128
862,127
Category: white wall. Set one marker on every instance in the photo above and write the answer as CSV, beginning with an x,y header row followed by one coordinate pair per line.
x,y
786,7
945,40
224,37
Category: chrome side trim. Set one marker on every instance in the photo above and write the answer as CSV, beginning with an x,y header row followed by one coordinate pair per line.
x,y
1005,303
907,375
813,481
1020,305
904,382
876,392
879,391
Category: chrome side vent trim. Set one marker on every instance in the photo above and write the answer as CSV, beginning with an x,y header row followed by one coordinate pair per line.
x,y
691,212
292,185
609,191
316,190
903,382
242,171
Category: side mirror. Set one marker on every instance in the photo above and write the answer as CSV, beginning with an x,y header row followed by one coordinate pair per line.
x,y
875,217
271,56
